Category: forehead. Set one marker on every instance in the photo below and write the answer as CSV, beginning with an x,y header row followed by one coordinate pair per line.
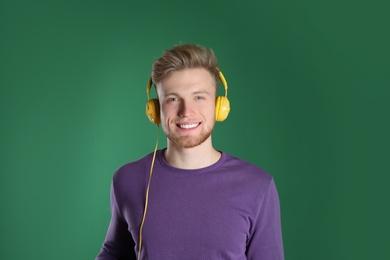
x,y
187,80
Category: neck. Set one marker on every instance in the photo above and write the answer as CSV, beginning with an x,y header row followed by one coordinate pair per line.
x,y
197,157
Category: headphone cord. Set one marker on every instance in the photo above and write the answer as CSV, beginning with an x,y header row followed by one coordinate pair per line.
x,y
147,195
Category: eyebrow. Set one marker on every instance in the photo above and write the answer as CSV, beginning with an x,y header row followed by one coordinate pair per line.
x,y
201,92
193,93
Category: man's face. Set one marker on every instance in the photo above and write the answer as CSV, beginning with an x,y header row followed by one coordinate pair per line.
x,y
187,105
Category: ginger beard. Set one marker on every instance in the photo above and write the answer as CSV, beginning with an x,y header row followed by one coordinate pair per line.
x,y
187,140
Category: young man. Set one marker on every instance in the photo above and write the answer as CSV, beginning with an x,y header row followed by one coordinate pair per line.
x,y
202,203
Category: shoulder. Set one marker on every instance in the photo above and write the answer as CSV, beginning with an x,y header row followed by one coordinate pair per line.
x,y
247,169
132,172
253,184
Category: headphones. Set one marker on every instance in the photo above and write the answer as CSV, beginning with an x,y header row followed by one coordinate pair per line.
x,y
222,104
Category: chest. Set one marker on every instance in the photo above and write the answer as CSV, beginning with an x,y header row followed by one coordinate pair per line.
x,y
198,215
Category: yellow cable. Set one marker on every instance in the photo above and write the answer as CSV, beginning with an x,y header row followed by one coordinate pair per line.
x,y
147,195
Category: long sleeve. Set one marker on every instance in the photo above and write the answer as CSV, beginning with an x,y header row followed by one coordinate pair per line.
x,y
119,243
266,241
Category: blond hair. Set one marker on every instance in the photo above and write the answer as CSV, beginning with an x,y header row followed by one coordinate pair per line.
x,y
185,56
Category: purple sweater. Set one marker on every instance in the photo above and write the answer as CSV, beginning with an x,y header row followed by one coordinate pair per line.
x,y
229,210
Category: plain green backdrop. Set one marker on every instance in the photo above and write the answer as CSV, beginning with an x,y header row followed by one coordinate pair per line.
x,y
308,85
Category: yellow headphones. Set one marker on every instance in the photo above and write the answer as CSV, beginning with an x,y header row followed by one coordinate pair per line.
x,y
222,104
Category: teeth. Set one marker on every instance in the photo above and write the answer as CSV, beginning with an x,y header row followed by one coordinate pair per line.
x,y
188,126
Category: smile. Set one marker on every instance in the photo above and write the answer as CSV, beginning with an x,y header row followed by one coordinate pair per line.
x,y
188,126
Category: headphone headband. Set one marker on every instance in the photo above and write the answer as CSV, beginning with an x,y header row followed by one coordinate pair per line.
x,y
148,87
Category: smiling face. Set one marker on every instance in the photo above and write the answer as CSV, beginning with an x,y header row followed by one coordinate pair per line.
x,y
187,105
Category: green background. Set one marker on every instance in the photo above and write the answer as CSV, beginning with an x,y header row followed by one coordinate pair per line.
x,y
308,85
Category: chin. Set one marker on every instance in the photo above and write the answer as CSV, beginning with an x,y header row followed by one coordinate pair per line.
x,y
189,141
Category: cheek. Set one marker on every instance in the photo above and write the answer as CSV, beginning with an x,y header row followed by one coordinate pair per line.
x,y
209,114
165,112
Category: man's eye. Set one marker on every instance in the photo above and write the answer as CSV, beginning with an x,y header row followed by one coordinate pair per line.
x,y
199,98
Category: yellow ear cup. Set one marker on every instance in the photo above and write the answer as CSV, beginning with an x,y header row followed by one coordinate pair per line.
x,y
153,111
152,106
222,108
222,104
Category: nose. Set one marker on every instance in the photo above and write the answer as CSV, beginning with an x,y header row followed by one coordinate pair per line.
x,y
185,109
